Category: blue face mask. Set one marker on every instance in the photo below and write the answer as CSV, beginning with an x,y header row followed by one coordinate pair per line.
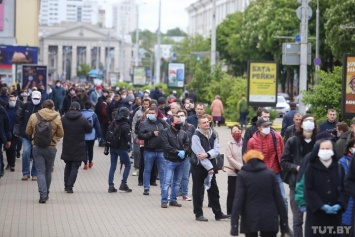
x,y
152,117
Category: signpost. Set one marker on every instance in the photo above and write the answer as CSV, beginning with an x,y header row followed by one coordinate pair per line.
x,y
176,75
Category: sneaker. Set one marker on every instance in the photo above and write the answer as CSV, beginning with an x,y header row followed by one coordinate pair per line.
x,y
186,198
34,178
140,183
70,190
86,167
112,189
25,177
43,200
175,204
134,172
164,205
201,218
124,187
146,191
12,168
154,184
7,167
91,164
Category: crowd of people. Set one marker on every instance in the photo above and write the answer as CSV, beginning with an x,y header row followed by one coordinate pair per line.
x,y
169,139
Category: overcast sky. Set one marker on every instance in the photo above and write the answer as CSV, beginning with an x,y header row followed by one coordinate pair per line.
x,y
173,14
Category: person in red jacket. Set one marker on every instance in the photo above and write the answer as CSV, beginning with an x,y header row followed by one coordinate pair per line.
x,y
270,144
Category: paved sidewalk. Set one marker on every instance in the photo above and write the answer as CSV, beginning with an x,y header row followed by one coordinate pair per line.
x,y
92,211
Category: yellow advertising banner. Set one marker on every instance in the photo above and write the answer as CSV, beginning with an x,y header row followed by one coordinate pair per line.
x,y
350,85
262,82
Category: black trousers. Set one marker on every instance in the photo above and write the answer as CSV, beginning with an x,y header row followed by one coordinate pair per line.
x,y
70,173
89,150
198,177
262,234
11,151
153,174
232,182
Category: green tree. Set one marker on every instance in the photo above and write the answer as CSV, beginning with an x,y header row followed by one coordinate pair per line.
x,y
175,32
83,70
339,38
326,94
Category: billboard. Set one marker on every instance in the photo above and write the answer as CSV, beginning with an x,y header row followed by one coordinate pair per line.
x,y
17,54
32,75
262,83
348,95
176,75
139,78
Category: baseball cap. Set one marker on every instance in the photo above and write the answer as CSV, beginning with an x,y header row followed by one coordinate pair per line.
x,y
36,95
262,122
99,87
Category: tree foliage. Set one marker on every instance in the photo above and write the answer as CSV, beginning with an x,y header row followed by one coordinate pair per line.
x,y
326,94
339,34
175,32
83,70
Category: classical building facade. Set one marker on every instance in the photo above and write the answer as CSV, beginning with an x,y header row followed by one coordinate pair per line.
x,y
64,47
200,14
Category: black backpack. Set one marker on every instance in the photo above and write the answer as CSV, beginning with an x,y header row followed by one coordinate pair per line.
x,y
43,132
113,136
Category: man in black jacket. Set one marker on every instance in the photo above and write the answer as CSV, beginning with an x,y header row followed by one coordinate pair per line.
x,y
74,147
25,113
150,132
176,143
5,135
120,149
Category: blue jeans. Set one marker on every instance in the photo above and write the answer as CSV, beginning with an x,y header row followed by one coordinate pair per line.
x,y
124,159
26,153
44,158
282,189
149,158
173,171
185,177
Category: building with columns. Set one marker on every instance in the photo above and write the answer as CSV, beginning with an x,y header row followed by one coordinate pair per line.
x,y
64,47
200,14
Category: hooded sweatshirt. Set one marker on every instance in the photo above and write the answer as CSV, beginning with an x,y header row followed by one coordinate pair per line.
x,y
48,115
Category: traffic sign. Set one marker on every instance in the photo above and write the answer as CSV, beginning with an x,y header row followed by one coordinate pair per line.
x,y
317,61
299,12
298,38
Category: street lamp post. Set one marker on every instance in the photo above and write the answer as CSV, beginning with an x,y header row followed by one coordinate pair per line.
x,y
157,70
213,35
317,35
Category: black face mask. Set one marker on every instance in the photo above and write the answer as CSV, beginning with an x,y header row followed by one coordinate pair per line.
x,y
177,126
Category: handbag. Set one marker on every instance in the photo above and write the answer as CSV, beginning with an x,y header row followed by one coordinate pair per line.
x,y
219,162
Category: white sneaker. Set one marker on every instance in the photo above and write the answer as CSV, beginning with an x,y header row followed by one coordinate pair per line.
x,y
186,198
134,173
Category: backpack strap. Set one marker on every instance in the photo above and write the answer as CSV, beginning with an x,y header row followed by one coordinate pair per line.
x,y
38,116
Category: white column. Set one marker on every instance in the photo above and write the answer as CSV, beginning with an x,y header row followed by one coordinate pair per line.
x,y
60,61
88,55
102,56
116,56
45,54
74,65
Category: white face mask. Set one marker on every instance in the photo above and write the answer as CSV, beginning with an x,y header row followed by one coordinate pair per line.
x,y
130,102
170,113
12,104
266,131
183,119
308,125
123,97
308,140
58,84
72,92
353,150
105,94
325,155
36,102
146,94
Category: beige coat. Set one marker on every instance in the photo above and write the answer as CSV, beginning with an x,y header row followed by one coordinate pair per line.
x,y
217,108
56,124
234,157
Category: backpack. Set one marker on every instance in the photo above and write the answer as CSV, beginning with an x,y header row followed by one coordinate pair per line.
x,y
43,132
113,136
